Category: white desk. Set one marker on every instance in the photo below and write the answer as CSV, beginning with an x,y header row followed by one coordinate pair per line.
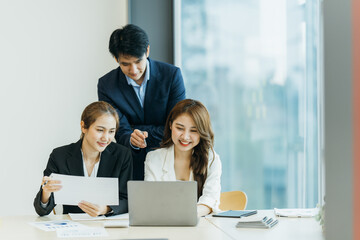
x,y
287,228
17,227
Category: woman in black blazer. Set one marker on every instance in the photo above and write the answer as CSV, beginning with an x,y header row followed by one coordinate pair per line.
x,y
94,155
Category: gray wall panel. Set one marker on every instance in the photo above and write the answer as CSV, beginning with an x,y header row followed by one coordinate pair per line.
x,y
156,18
338,119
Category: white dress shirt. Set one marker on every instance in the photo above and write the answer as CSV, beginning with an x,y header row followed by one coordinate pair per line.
x,y
159,166
140,89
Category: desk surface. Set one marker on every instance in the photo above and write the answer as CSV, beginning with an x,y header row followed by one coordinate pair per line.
x,y
17,227
287,228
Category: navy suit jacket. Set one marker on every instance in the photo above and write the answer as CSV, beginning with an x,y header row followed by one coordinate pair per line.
x,y
116,162
164,89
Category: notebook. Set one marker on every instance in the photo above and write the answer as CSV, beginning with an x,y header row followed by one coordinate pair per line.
x,y
236,214
163,203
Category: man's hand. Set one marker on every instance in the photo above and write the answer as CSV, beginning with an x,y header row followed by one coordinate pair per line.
x,y
138,138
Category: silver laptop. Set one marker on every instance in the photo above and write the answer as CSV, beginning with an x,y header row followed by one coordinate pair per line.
x,y
162,203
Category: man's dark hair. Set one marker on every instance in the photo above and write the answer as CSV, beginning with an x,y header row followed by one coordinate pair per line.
x,y
129,40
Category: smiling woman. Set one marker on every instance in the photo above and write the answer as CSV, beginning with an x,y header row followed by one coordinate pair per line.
x,y
187,154
94,155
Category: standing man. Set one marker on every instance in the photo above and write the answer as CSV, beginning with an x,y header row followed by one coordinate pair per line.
x,y
142,90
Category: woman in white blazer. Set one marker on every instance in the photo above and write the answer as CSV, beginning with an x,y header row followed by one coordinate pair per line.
x,y
187,154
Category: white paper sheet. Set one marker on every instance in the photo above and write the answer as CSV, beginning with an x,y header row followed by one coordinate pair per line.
x,y
116,224
82,232
296,212
87,217
101,191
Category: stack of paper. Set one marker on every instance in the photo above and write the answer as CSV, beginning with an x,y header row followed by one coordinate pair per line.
x,y
260,223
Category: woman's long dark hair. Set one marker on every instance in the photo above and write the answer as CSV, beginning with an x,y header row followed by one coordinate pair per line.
x,y
199,159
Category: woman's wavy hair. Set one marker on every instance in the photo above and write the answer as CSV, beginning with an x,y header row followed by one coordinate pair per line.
x,y
95,110
199,159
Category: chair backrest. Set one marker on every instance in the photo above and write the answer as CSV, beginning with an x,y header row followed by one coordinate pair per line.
x,y
234,200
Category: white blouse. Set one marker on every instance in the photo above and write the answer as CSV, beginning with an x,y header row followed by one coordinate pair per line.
x,y
95,169
159,166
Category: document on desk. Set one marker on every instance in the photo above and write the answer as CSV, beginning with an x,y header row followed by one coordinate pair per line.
x,y
82,232
296,212
56,224
101,191
87,217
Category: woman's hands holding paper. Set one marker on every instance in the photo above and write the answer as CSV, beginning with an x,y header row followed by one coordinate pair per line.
x,y
94,210
49,185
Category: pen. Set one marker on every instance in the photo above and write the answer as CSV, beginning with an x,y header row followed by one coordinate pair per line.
x,y
144,139
44,183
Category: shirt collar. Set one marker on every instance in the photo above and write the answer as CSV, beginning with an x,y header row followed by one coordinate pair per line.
x,y
146,77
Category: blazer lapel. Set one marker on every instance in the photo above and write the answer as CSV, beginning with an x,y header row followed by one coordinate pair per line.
x,y
151,86
130,96
74,161
107,163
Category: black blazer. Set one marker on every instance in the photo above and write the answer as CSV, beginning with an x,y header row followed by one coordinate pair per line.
x,y
116,161
164,89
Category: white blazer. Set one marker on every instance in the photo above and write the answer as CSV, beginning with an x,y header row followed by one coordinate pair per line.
x,y
159,166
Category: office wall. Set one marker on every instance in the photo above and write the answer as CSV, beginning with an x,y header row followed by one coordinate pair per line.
x,y
51,56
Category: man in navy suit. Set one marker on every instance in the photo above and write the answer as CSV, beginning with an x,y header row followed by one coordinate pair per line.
x,y
142,90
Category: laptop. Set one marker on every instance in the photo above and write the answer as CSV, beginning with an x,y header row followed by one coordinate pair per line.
x,y
162,203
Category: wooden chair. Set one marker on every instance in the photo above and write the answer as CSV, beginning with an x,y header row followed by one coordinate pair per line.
x,y
58,209
234,200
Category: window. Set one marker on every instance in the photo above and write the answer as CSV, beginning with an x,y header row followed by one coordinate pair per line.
x,y
255,65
